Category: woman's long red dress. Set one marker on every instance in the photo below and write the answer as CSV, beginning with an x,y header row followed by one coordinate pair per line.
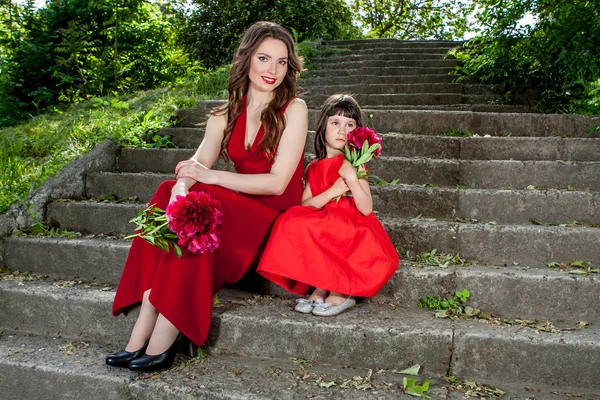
x,y
182,289
335,248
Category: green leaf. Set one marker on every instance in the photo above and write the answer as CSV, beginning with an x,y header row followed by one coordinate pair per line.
x,y
411,388
578,272
463,295
578,264
414,370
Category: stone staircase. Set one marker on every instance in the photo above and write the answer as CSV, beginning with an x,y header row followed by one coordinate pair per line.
x,y
474,195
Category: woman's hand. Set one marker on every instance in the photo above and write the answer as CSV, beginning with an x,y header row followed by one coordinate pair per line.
x,y
348,172
338,188
194,170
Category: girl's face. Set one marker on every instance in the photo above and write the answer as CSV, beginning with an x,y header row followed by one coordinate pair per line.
x,y
268,65
336,133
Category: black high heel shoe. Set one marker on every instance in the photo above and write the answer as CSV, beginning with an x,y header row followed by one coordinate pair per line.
x,y
159,361
123,358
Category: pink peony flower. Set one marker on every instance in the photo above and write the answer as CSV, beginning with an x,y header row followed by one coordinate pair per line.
x,y
358,136
196,219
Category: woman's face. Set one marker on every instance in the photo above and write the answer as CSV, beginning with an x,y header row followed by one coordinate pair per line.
x,y
336,133
268,65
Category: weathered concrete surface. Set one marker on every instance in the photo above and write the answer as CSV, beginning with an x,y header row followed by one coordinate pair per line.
x,y
87,259
388,62
409,284
417,235
534,148
436,122
78,312
413,201
416,170
515,355
378,70
382,55
316,81
61,376
384,88
69,182
316,101
440,51
91,217
125,185
527,245
504,174
531,293
371,336
401,44
518,206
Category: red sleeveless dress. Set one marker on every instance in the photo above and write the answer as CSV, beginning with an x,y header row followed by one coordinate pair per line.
x,y
335,248
182,289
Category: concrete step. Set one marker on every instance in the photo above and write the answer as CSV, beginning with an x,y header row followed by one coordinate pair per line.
x,y
364,336
399,44
365,89
316,100
475,174
308,82
350,64
407,170
513,291
399,50
497,245
382,55
501,206
76,370
487,242
379,71
436,122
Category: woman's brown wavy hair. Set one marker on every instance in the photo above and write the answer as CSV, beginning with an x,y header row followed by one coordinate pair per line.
x,y
272,117
337,104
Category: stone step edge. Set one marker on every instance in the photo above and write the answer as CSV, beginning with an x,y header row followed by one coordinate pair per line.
x,y
460,339
409,283
81,374
418,219
389,158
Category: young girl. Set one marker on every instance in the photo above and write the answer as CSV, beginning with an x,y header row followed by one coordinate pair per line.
x,y
333,244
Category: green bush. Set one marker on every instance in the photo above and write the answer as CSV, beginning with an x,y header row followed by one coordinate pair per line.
x,y
33,151
214,28
559,55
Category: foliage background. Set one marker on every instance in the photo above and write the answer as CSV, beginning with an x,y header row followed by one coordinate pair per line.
x,y
559,56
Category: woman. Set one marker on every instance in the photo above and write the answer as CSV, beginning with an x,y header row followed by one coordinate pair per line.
x,y
262,129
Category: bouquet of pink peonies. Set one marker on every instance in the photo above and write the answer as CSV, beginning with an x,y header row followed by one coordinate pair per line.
x,y
194,224
363,144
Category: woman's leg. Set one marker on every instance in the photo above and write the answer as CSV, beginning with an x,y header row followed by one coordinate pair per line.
x,y
142,330
163,336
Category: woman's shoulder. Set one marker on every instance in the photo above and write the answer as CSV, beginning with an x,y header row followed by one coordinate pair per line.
x,y
296,107
218,120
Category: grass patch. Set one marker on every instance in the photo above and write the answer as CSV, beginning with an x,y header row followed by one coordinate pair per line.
x,y
33,151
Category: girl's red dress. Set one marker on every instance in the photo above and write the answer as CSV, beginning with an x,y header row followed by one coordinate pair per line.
x,y
335,248
183,289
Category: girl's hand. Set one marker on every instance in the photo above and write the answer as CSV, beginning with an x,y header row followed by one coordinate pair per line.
x,y
195,170
348,172
338,188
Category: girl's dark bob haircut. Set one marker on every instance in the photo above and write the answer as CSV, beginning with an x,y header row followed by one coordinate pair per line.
x,y
338,104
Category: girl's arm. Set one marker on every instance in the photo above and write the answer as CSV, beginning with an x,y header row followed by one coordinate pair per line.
x,y
274,182
359,187
337,189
